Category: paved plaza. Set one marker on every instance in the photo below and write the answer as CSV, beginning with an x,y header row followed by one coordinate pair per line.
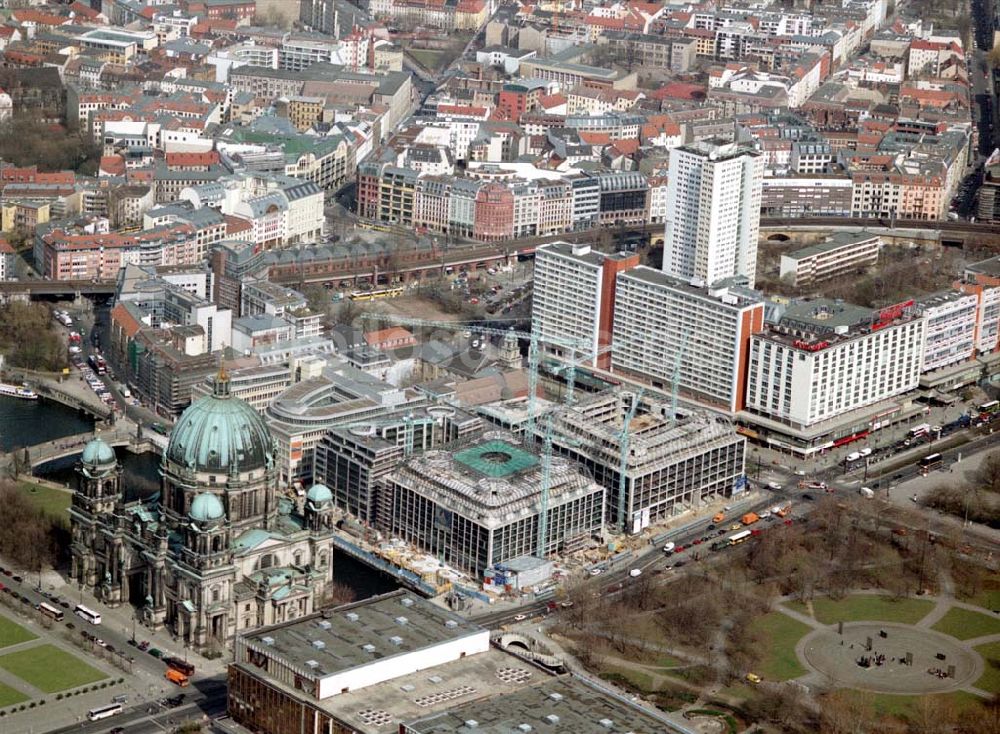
x,y
837,658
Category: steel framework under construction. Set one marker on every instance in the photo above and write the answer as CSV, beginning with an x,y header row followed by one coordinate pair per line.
x,y
480,503
670,464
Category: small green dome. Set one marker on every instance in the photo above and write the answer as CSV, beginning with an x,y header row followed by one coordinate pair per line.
x,y
220,433
98,453
319,494
207,507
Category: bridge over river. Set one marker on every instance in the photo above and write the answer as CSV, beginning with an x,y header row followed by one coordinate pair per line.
x,y
42,453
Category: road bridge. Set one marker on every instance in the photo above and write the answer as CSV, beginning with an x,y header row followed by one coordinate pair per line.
x,y
61,448
94,408
64,289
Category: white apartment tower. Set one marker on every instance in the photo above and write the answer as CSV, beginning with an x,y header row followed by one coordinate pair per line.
x,y
713,212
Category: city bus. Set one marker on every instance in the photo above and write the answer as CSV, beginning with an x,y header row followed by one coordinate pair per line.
x,y
87,614
377,293
98,364
740,537
989,408
51,612
930,463
103,712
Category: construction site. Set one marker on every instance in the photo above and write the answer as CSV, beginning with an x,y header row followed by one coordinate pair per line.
x,y
653,461
492,501
518,485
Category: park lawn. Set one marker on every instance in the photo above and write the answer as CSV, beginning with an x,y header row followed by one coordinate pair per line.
x,y
49,500
871,608
965,624
990,679
427,57
780,634
10,695
12,633
797,606
905,707
636,679
49,669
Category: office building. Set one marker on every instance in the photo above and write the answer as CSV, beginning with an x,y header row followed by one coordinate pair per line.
x,y
672,464
845,253
950,334
354,460
397,663
667,331
713,211
574,298
823,359
477,505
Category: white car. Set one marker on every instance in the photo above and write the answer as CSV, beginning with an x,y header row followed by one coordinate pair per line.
x,y
669,547
774,485
635,572
520,617
596,571
764,514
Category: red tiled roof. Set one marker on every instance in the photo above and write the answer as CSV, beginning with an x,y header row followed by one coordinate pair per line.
x,y
181,160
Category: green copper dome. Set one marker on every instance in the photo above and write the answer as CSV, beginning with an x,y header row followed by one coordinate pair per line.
x,y
319,494
220,433
207,507
98,453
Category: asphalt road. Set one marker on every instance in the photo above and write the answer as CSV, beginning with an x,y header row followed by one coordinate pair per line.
x,y
203,698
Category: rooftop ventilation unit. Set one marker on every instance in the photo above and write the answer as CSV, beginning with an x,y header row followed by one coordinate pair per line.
x,y
401,620
267,640
397,641
524,727
471,723
407,687
556,696
324,624
406,601
368,647
319,644
352,617
435,679
312,664
607,723
451,624
552,719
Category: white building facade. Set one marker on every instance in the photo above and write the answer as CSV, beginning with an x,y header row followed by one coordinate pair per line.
x,y
713,212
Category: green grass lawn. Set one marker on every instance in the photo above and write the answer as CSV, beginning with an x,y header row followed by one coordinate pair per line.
x,y
426,57
990,679
10,695
12,633
634,678
871,608
52,501
49,669
987,599
965,624
905,707
780,633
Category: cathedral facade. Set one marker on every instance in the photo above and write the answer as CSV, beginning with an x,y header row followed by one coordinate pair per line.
x,y
217,551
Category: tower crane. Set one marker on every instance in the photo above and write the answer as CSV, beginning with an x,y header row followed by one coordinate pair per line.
x,y
624,440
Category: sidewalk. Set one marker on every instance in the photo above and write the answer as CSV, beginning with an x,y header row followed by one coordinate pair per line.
x,y
124,620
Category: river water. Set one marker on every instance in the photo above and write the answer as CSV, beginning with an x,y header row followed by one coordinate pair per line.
x,y
29,422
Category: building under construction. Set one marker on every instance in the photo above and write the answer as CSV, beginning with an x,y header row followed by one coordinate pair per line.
x,y
670,465
352,461
477,504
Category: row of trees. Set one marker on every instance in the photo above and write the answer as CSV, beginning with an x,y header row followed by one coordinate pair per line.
x,y
28,339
